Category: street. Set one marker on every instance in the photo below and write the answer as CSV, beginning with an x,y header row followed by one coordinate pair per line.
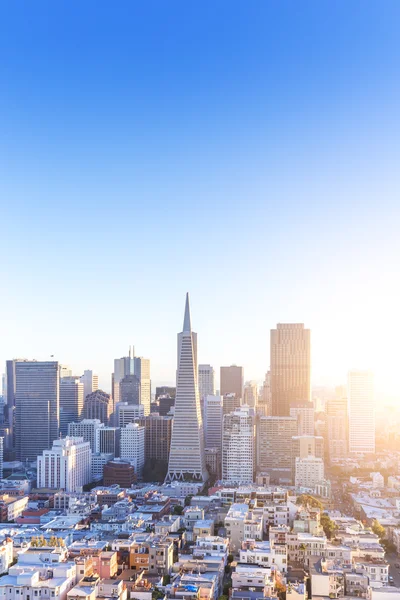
x,y
393,571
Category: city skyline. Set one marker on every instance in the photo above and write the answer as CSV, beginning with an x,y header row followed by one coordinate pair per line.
x,y
105,379
268,146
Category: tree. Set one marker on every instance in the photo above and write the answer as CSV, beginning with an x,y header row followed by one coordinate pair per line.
x,y
378,529
178,509
389,547
230,558
227,587
188,500
166,579
328,525
280,589
307,500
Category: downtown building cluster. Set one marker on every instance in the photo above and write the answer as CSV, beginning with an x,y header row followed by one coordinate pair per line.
x,y
239,502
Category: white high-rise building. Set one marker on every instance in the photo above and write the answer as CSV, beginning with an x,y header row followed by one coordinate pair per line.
x,y
206,381
128,413
90,383
186,458
213,422
309,471
238,446
337,424
141,368
65,371
66,466
86,429
132,446
361,403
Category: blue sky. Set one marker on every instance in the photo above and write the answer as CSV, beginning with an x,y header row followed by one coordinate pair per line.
x,y
246,152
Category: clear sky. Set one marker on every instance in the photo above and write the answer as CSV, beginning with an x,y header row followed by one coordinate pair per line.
x,y
246,152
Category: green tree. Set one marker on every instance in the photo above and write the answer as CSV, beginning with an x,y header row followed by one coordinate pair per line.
x,y
328,526
227,587
230,558
178,509
188,500
378,529
307,500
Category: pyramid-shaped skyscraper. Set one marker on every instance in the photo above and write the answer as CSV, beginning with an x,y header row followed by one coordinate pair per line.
x,y
186,458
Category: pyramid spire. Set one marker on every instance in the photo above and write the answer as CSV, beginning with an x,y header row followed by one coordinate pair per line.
x,y
187,328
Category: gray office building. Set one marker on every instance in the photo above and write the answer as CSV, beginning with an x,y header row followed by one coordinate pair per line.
x,y
71,402
37,405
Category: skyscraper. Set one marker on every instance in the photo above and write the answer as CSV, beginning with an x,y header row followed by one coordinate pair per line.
x,y
90,383
37,406
290,367
264,400
230,402
108,440
98,406
213,422
360,389
128,413
231,381
157,436
250,394
206,381
66,466
141,369
337,424
304,413
133,446
71,401
186,459
129,390
274,438
122,366
238,446
9,408
86,429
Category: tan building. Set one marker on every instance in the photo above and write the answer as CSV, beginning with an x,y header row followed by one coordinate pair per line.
x,y
231,381
230,403
337,425
274,438
303,446
290,367
153,554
